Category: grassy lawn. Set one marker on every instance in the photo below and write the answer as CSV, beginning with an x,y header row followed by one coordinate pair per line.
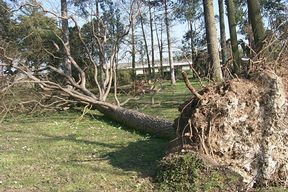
x,y
166,102
67,152
62,152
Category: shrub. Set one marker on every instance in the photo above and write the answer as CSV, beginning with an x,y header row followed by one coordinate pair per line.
x,y
188,172
124,76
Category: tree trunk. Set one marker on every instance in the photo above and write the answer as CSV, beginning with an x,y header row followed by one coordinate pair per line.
x,y
233,35
146,45
222,32
256,22
64,22
172,70
101,56
133,54
138,121
206,28
152,41
211,34
160,47
192,43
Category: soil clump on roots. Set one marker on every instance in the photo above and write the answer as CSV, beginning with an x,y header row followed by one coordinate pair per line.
x,y
242,125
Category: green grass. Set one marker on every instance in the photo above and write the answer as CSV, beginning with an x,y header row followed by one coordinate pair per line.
x,y
69,152
166,102
66,152
62,152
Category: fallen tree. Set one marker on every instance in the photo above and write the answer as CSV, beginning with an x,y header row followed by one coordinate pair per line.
x,y
241,124
18,98
74,88
139,121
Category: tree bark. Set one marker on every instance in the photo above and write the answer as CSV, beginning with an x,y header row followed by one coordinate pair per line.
x,y
233,34
211,34
222,32
206,28
152,41
101,55
133,54
192,43
146,45
160,48
138,121
256,22
172,70
64,22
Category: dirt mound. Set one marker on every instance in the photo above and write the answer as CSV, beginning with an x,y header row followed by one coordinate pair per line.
x,y
241,124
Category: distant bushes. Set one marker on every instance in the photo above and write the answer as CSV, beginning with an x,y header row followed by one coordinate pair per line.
x,y
124,76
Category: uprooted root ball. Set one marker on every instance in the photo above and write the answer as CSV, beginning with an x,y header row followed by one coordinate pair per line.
x,y
241,124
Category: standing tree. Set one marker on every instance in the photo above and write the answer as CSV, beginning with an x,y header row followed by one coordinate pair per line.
x,y
151,4
212,36
133,50
37,34
256,23
222,32
189,12
64,22
7,39
5,20
172,70
233,34
159,27
145,43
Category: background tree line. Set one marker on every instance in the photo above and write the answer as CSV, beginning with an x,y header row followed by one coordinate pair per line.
x,y
40,37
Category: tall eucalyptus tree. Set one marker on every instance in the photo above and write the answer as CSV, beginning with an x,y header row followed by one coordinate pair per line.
x,y
65,29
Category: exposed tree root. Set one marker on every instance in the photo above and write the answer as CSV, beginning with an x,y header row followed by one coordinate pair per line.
x,y
241,124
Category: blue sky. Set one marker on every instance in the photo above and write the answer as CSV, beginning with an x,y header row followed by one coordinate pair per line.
x,y
179,30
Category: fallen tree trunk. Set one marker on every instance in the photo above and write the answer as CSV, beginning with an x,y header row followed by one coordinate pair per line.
x,y
138,121
65,97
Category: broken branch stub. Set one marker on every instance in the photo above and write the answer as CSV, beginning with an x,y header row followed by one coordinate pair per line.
x,y
189,86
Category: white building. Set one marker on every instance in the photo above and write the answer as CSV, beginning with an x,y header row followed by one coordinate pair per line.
x,y
143,69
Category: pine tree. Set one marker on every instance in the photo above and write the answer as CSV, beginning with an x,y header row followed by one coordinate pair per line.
x,y
256,23
212,36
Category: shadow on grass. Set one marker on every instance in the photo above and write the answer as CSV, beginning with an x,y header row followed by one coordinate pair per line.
x,y
141,156
73,138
